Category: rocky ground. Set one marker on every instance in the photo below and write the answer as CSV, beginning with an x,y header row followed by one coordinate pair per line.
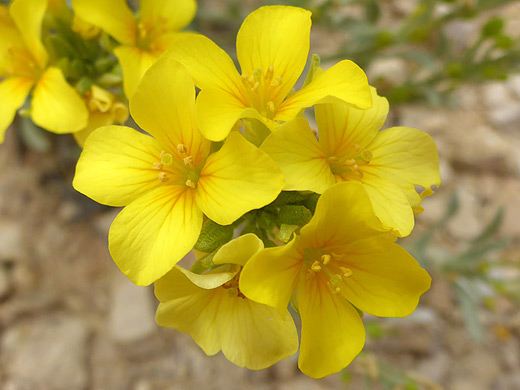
x,y
70,321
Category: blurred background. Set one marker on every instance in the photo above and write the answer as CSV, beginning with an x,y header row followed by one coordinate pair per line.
x,y
70,321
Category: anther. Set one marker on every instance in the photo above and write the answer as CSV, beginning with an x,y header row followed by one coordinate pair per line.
x,y
270,106
346,271
162,177
276,82
316,267
333,159
350,162
188,161
181,148
190,184
255,87
325,259
158,166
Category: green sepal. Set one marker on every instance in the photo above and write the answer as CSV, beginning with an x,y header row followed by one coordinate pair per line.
x,y
294,215
286,231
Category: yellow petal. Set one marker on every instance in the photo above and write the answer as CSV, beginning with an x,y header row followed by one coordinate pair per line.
x,y
56,105
344,82
276,36
113,16
270,276
254,335
209,65
154,232
13,92
28,17
294,147
390,204
164,106
334,224
116,166
218,111
239,250
249,334
134,63
9,34
189,309
341,127
95,121
210,280
237,179
407,157
170,15
386,281
332,331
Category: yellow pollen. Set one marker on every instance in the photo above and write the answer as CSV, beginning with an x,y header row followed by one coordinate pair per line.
x,y
162,177
350,162
158,166
276,82
166,159
316,267
346,271
181,148
335,289
188,161
270,106
251,80
325,259
190,184
333,159
255,87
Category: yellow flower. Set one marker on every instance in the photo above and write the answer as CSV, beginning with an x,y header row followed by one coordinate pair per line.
x,y
213,311
272,49
389,163
104,110
55,105
169,181
143,39
344,259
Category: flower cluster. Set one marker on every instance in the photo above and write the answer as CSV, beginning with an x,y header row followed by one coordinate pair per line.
x,y
285,220
70,60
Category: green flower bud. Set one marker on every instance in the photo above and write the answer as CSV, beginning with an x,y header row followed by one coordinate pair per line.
x,y
212,236
294,215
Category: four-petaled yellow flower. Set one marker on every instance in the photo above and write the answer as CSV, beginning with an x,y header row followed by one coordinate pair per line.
x,y
389,163
343,259
272,49
213,311
143,39
104,110
55,105
169,181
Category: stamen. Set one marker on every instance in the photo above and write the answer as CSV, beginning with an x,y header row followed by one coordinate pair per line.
x,y
276,82
190,184
162,177
346,271
333,159
325,259
316,267
255,87
270,106
188,161
257,74
158,166
181,148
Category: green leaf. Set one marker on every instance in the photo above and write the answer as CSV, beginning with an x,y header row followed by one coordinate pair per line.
x,y
468,305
